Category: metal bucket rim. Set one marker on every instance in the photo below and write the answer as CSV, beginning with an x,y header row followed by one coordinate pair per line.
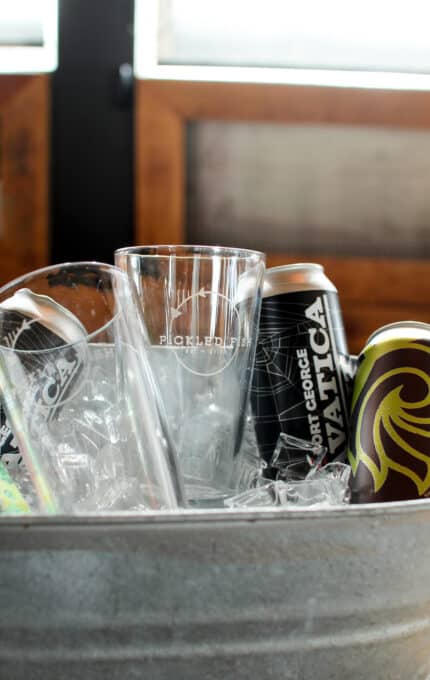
x,y
194,516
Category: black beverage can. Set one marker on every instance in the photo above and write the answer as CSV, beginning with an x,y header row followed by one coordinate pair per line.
x,y
303,370
30,323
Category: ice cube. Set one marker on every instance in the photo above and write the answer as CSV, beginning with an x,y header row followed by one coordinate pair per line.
x,y
336,478
249,467
302,493
262,496
325,486
291,450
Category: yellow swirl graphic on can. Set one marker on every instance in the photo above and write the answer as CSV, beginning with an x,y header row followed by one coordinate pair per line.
x,y
390,421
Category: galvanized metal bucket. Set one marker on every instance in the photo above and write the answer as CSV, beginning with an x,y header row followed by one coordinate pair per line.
x,y
340,594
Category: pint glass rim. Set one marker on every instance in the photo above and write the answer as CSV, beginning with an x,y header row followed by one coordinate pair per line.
x,y
184,251
25,280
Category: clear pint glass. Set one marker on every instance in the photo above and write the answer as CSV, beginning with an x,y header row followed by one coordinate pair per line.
x,y
201,309
80,395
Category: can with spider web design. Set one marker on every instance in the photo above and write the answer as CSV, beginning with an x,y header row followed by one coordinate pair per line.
x,y
389,448
33,323
303,370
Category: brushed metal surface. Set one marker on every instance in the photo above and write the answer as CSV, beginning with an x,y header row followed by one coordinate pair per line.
x,y
340,594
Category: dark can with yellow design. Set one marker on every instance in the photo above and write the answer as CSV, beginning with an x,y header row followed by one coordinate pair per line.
x,y
389,447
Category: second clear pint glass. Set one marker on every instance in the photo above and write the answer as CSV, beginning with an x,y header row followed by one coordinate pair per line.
x,y
201,307
79,393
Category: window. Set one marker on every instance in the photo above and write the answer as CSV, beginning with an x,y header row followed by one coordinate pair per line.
x,y
337,42
28,36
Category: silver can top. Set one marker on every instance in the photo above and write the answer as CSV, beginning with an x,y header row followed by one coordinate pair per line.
x,y
290,278
400,330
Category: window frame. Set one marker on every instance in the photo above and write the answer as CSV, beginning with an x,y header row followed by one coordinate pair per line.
x,y
164,108
373,291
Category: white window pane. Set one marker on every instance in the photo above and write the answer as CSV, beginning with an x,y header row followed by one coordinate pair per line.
x,y
176,36
371,34
28,36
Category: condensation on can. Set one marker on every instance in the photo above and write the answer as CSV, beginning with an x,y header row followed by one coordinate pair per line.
x,y
303,369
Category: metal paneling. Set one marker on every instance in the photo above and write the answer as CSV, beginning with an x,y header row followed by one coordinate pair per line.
x,y
333,594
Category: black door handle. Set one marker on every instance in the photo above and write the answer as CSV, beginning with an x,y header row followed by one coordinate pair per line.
x,y
123,86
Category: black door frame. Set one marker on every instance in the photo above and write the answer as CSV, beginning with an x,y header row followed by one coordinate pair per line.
x,y
92,131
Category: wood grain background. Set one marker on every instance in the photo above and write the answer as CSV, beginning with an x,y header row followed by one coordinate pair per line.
x,y
24,173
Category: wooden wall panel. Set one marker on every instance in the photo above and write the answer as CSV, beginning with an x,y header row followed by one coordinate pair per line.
x,y
159,170
24,158
291,103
